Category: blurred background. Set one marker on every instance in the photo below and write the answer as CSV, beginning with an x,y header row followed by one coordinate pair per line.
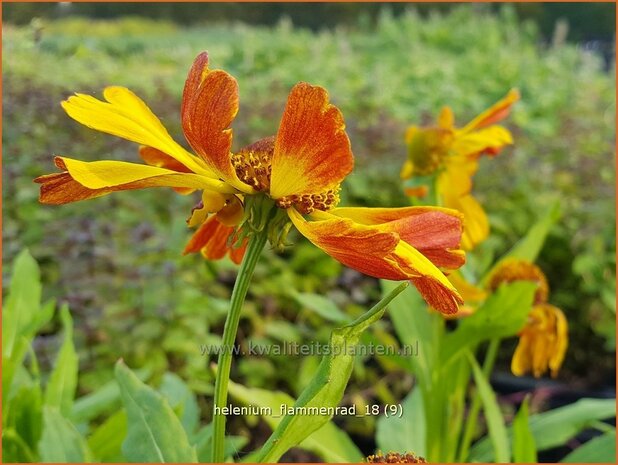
x,y
116,260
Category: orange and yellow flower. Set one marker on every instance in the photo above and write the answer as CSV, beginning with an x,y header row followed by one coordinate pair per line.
x,y
299,170
452,154
542,343
544,339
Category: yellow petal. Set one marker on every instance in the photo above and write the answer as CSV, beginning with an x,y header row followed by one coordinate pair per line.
x,y
126,115
108,173
211,202
520,363
446,119
232,213
468,291
476,224
407,170
490,139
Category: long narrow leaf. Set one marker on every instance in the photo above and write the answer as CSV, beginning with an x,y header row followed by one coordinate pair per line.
x,y
495,420
554,428
601,449
63,380
524,446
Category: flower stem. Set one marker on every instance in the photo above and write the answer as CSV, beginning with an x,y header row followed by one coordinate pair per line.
x,y
475,407
254,249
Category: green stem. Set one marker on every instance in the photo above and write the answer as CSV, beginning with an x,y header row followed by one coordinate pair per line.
x,y
475,407
254,249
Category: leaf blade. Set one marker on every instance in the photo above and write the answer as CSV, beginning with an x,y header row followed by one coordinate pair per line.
x,y
495,420
154,432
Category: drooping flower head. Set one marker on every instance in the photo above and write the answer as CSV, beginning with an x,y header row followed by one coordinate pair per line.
x,y
542,343
451,154
513,269
544,339
294,176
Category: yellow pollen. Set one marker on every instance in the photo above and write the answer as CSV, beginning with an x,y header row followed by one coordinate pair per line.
x,y
253,167
253,164
307,203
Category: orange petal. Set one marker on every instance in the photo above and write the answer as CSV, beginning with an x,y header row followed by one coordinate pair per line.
x,y
237,252
61,188
417,191
154,157
312,151
435,232
378,253
212,239
495,113
209,105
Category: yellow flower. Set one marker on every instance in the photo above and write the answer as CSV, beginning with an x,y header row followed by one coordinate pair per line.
x,y
542,342
452,153
544,339
297,173
513,269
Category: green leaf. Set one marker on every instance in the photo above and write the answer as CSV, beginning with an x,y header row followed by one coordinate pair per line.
x,y
503,314
154,432
22,317
495,420
25,416
104,399
329,442
524,447
415,324
601,449
182,400
327,386
406,433
61,442
10,366
106,440
41,318
62,383
14,448
22,303
556,427
322,306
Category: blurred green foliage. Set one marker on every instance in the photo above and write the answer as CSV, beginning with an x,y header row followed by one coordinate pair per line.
x,y
116,260
587,21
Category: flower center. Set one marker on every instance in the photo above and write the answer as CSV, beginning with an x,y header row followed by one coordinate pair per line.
x,y
253,165
307,203
427,149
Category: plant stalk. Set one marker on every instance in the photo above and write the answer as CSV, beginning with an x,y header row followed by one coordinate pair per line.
x,y
224,364
475,407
